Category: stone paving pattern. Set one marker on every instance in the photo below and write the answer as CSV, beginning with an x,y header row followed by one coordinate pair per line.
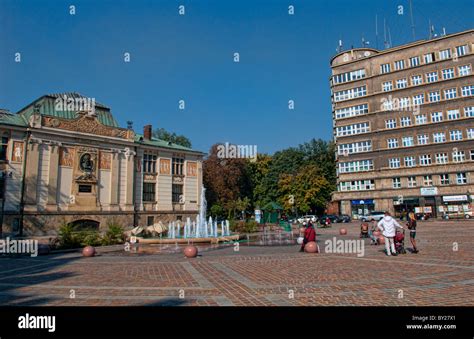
x,y
255,275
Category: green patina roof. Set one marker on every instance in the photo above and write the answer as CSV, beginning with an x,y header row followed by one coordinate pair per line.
x,y
8,118
162,143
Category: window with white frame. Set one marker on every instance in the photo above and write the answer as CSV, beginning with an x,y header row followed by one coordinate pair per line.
x,y
405,121
425,159
444,179
400,64
464,70
414,61
459,156
455,135
384,68
436,116
352,129
450,93
350,93
357,185
470,133
439,137
431,77
453,114
394,162
416,80
429,58
434,96
410,161
349,76
441,158
461,50
444,54
404,102
461,178
422,139
356,147
387,105
411,181
390,123
396,183
387,86
419,99
392,143
469,112
427,180
352,111
356,166
448,73
402,83
471,152
407,141
467,91
421,119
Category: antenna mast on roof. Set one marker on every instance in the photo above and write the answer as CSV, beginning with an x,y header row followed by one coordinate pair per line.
x,y
412,21
339,46
385,43
376,33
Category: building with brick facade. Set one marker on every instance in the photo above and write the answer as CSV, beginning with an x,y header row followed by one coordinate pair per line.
x,y
403,122
65,164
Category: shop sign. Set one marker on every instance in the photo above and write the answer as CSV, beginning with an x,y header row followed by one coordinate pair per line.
x,y
449,198
429,190
362,202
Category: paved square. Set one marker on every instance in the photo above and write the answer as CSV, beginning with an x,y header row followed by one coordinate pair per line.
x,y
255,275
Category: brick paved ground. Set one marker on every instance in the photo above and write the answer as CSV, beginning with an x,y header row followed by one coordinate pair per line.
x,y
255,275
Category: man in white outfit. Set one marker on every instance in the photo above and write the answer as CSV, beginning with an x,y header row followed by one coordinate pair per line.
x,y
387,225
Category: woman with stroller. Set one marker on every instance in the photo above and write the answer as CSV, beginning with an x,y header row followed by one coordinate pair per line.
x,y
411,224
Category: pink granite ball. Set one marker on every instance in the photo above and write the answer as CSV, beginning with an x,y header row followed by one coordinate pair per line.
x,y
311,247
342,231
88,251
190,251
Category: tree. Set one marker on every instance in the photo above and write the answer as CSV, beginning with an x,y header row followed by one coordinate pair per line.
x,y
161,133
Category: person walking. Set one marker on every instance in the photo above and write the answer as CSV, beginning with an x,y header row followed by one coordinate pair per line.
x,y
387,225
411,224
309,235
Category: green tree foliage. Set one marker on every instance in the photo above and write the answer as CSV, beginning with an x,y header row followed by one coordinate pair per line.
x,y
163,134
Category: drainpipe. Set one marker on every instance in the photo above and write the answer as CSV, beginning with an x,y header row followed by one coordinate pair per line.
x,y
134,199
23,183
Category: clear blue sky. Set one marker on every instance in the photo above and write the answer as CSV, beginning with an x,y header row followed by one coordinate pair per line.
x,y
190,57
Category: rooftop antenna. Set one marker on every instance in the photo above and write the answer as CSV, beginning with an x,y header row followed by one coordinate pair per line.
x,y
444,31
412,21
389,38
364,42
376,33
432,29
339,46
385,43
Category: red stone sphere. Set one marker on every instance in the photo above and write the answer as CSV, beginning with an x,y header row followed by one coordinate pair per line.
x,y
381,239
342,231
88,251
190,251
311,247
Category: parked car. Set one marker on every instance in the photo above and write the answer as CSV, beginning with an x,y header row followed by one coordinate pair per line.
x,y
458,215
332,217
344,218
306,218
375,215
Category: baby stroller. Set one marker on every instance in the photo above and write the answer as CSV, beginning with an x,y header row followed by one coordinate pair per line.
x,y
399,241
364,230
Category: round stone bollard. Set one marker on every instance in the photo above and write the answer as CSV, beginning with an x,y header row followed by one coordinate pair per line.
x,y
342,231
190,251
311,247
88,251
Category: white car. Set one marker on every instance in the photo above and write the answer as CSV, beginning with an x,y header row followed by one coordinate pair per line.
x,y
306,218
372,216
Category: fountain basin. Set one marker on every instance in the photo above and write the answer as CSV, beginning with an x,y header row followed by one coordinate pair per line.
x,y
189,240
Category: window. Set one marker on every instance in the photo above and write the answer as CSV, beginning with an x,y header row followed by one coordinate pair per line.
x,y
402,83
149,163
410,161
444,179
444,54
472,154
425,160
434,96
427,180
416,80
411,181
464,70
352,111
384,68
439,137
467,91
422,139
387,86
407,141
430,57
149,190
3,148
177,167
396,183
436,116
392,143
2,187
453,114
349,76
357,185
356,147
448,73
441,158
461,178
461,50
404,102
418,99
177,193
405,121
394,162
455,135
459,156
400,64
470,133
150,220
450,93
390,123
356,166
415,61
432,77
469,112
350,93
421,119
352,129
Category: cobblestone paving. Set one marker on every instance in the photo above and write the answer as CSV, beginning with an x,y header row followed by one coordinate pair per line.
x,y
255,275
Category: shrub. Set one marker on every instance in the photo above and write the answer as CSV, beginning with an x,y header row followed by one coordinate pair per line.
x,y
241,226
67,238
114,234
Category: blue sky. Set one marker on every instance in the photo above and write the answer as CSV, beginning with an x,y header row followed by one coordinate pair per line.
x,y
190,57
